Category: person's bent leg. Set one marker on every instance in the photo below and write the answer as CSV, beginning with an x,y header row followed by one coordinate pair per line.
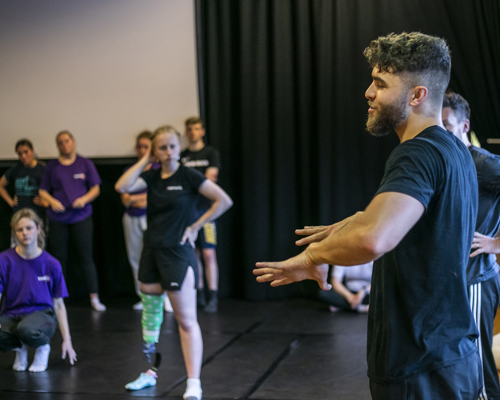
x,y
152,318
36,330
10,341
82,234
184,304
133,232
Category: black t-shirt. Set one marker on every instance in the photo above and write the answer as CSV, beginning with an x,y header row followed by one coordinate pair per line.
x,y
484,266
419,316
201,160
171,205
26,183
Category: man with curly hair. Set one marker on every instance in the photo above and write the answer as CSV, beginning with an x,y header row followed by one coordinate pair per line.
x,y
418,227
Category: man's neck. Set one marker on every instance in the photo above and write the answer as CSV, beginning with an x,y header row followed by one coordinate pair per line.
x,y
196,146
416,124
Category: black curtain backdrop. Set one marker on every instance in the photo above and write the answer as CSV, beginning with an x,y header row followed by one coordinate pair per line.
x,y
283,86
282,92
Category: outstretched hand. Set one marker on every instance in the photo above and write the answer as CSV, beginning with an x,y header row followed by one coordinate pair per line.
x,y
294,269
484,244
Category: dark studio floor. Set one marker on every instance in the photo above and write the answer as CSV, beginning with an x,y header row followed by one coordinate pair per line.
x,y
293,349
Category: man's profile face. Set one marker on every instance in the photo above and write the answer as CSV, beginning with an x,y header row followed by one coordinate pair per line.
x,y
195,132
387,97
452,124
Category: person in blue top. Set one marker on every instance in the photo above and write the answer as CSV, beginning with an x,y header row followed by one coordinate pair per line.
x,y
418,228
32,289
168,260
482,271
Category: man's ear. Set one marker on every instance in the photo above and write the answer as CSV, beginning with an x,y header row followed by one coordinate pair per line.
x,y
418,95
466,127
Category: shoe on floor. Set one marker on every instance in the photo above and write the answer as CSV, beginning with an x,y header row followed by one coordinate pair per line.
x,y
145,380
212,306
137,306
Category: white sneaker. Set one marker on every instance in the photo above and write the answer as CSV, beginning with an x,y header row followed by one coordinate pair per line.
x,y
137,306
145,380
97,305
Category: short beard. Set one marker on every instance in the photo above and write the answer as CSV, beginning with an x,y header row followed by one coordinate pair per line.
x,y
389,117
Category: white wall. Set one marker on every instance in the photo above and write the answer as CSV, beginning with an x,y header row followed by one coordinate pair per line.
x,y
103,69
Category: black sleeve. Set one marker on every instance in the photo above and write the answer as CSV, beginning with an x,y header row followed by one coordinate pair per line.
x,y
491,174
214,159
194,179
11,173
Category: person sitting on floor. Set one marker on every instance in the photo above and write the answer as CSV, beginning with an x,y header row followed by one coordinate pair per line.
x,y
32,288
350,288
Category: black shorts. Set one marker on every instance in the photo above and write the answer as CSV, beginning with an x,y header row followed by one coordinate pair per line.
x,y
167,266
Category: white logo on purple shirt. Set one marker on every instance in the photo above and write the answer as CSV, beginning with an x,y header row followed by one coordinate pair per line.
x,y
79,176
45,278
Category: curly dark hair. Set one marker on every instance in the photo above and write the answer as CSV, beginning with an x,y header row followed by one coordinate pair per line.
x,y
420,59
458,104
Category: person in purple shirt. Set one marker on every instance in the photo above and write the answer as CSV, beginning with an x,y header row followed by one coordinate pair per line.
x,y
70,184
134,218
32,288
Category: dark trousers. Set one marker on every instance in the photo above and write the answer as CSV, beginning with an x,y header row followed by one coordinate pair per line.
x,y
34,330
80,236
460,381
485,300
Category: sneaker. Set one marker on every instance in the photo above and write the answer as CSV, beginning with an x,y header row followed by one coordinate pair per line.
x,y
211,306
97,305
363,308
334,309
137,306
145,380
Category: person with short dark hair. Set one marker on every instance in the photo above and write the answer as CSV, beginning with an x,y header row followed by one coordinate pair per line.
x,y
168,260
26,176
32,289
418,228
69,185
205,159
482,270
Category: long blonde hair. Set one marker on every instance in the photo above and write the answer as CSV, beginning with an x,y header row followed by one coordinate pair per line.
x,y
32,215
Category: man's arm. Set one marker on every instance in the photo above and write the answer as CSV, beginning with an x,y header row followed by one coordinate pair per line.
x,y
367,236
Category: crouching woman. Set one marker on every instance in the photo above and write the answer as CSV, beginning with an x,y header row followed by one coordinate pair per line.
x,y
32,288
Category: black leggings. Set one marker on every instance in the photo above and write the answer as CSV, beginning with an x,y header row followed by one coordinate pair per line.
x,y
80,235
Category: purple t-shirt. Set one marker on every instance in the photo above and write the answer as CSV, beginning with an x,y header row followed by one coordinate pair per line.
x,y
29,285
68,182
136,211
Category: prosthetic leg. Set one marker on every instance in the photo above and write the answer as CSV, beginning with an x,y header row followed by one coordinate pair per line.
x,y
152,318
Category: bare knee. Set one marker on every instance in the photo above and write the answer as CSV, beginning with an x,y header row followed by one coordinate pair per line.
x,y
209,256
